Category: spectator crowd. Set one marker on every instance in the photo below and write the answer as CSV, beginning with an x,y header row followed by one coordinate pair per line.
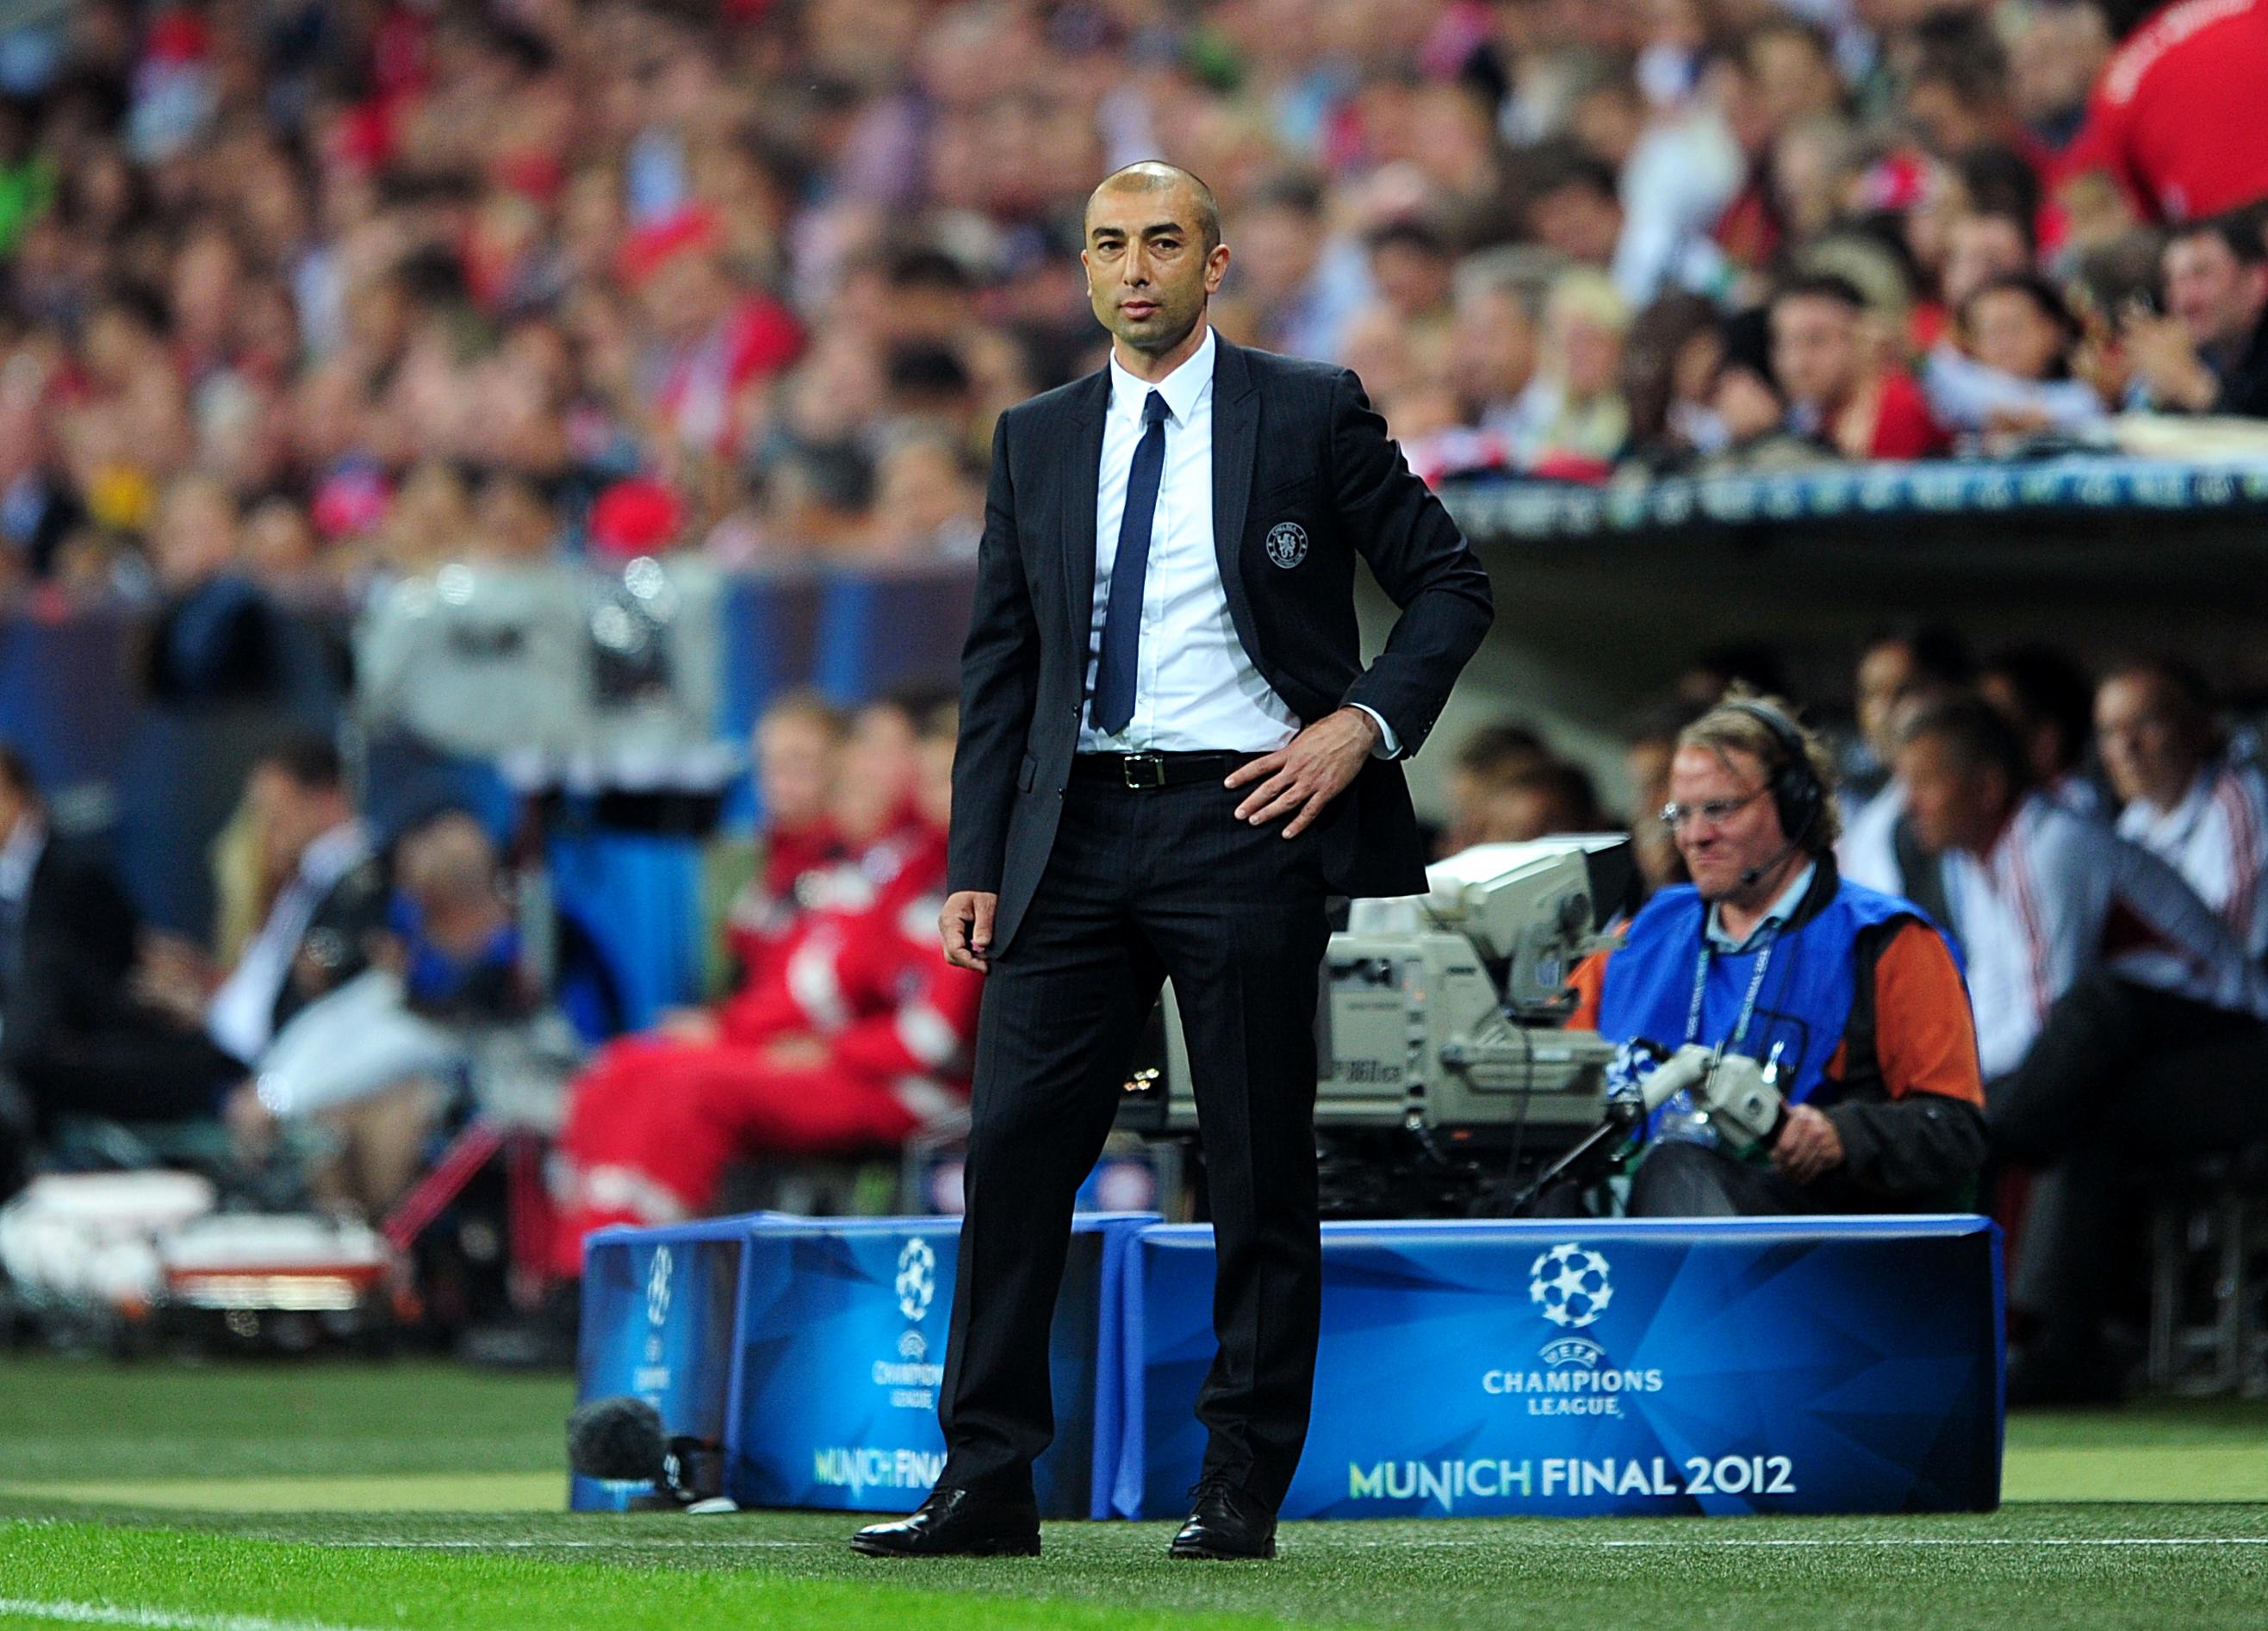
x,y
303,294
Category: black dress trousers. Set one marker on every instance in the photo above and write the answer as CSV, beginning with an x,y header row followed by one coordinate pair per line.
x,y
1143,884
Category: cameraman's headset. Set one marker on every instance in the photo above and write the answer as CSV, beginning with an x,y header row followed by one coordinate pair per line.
x,y
1796,790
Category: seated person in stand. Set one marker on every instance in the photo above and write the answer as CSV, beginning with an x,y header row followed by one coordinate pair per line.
x,y
76,1035
371,1066
1771,954
2188,799
2012,373
2049,700
862,1038
2117,1019
799,745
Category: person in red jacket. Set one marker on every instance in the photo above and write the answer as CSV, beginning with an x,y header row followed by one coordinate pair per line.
x,y
799,748
2174,118
861,1037
1839,387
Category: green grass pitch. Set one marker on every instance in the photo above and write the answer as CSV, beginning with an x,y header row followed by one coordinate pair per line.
x,y
338,1498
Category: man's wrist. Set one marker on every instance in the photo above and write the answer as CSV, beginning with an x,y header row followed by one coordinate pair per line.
x,y
1383,743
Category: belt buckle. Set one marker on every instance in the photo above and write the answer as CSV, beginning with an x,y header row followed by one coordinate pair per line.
x,y
1143,769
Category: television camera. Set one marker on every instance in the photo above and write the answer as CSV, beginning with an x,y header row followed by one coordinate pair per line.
x,y
1444,1065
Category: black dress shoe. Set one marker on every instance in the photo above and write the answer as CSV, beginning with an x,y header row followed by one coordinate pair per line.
x,y
956,1523
1227,1522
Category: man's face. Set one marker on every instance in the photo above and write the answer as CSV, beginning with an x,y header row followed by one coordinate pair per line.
x,y
2216,296
1718,851
1952,806
1578,221
2007,330
289,816
1815,350
1148,275
2145,752
1887,674
1492,349
795,768
1980,248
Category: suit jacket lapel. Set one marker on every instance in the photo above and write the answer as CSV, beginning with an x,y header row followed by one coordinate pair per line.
x,y
1081,476
1235,436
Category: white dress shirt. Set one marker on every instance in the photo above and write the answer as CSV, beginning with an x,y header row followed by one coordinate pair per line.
x,y
1195,687
2061,896
242,1017
2216,837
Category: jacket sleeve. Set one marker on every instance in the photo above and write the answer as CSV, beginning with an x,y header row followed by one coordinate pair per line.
x,y
999,687
1928,1135
1419,559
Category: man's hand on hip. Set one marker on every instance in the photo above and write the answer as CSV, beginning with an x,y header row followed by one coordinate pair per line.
x,y
1306,773
1808,1147
966,923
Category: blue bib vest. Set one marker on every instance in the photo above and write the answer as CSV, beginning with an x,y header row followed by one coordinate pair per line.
x,y
1803,1005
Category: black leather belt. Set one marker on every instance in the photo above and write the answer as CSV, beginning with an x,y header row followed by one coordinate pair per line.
x,y
1145,771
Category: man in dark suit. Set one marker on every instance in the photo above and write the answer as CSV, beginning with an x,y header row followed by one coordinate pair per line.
x,y
1170,753
74,1036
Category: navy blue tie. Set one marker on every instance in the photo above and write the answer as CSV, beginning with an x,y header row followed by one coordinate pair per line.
x,y
1121,617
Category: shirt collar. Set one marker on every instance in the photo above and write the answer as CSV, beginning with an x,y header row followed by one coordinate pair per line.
x,y
1777,918
335,854
1182,389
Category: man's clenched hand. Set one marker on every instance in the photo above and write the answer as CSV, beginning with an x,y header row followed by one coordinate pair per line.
x,y
966,923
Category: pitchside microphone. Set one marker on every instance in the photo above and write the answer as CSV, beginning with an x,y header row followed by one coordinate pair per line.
x,y
620,1440
1750,874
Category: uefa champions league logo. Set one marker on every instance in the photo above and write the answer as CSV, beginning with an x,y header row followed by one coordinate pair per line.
x,y
917,1279
657,1286
1569,1284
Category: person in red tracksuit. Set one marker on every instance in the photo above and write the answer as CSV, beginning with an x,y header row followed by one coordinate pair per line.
x,y
860,1036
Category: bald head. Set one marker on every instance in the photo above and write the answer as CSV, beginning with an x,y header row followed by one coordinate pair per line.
x,y
1155,175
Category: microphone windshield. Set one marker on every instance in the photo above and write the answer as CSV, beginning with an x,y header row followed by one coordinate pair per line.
x,y
619,1439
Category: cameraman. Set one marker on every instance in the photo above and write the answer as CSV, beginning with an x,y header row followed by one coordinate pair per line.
x,y
1768,953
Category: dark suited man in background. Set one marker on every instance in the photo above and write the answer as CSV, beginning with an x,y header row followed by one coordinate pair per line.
x,y
1170,754
76,1037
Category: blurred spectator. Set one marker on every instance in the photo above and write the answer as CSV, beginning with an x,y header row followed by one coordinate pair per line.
x,y
326,891
1900,673
1830,363
370,1065
2186,797
1981,246
2185,77
798,743
1552,797
2049,702
1572,419
2014,375
1740,420
215,639
2209,353
1301,284
1493,357
76,1036
1486,761
1649,744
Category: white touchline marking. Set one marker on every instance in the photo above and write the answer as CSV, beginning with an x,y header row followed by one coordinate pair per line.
x,y
64,1612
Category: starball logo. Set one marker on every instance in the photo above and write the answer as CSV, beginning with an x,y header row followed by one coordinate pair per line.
x,y
917,1279
1568,1283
